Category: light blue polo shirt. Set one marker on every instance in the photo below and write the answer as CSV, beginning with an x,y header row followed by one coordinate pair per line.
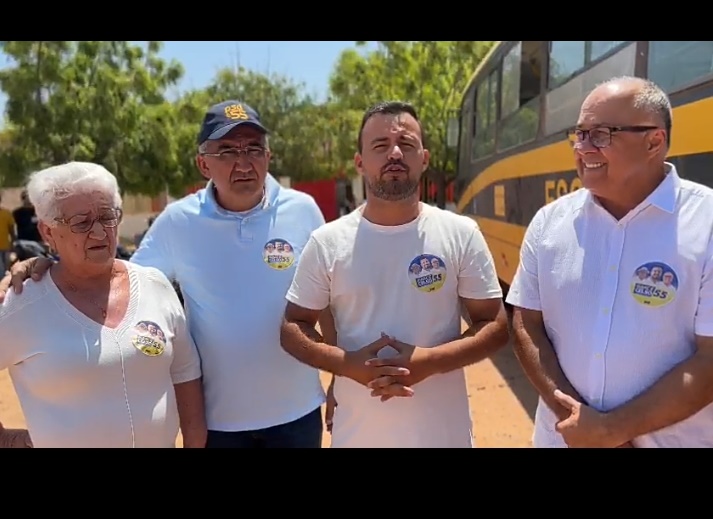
x,y
234,270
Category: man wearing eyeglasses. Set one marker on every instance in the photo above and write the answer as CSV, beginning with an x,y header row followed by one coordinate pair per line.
x,y
219,245
620,359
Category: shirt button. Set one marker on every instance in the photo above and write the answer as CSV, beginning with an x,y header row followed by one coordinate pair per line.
x,y
606,311
598,356
612,268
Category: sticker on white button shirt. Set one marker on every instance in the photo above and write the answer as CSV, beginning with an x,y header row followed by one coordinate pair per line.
x,y
149,339
654,284
278,254
427,272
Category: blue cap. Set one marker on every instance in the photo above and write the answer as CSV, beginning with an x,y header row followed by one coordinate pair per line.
x,y
225,116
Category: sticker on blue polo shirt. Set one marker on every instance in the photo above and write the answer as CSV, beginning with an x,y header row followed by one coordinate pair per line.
x,y
278,254
427,272
654,284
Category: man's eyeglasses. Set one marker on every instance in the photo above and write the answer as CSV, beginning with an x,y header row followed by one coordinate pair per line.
x,y
233,154
80,224
600,137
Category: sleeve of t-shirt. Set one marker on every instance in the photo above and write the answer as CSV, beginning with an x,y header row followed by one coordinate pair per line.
x,y
13,349
704,312
310,285
155,250
525,288
477,278
186,365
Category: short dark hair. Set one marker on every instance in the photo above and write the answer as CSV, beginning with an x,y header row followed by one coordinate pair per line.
x,y
391,108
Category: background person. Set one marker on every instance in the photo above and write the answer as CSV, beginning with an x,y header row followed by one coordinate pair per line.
x,y
26,220
7,237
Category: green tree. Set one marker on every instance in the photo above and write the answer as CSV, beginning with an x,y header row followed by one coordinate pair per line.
x,y
188,111
98,101
429,74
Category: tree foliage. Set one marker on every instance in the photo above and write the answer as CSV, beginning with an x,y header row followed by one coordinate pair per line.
x,y
99,101
107,102
429,74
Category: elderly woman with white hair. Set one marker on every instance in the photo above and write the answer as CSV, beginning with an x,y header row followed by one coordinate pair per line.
x,y
98,350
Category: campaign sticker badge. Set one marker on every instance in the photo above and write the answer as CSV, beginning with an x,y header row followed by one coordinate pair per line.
x,y
654,284
278,254
427,272
149,338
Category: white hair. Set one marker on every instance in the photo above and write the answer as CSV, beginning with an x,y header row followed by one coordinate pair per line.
x,y
46,188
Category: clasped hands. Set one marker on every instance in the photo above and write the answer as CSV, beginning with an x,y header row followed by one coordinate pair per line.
x,y
389,377
586,427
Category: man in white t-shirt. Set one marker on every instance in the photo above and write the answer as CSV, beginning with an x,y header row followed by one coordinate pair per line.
x,y
400,354
613,296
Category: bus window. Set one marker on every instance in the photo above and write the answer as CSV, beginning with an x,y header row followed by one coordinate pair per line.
x,y
520,103
599,48
512,71
486,103
566,59
563,103
676,64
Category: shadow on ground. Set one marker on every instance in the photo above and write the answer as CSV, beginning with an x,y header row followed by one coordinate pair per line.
x,y
509,367
511,371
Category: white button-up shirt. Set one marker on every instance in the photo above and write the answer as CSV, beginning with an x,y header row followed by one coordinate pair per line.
x,y
622,300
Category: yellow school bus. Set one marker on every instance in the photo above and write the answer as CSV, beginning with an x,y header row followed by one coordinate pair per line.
x,y
513,152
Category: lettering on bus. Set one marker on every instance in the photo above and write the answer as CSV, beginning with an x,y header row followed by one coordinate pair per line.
x,y
499,201
555,189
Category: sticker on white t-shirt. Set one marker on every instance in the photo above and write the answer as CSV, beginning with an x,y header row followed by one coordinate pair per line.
x,y
427,272
278,254
654,284
149,338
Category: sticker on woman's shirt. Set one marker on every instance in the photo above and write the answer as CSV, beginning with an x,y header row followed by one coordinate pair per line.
x,y
278,254
149,339
427,272
654,284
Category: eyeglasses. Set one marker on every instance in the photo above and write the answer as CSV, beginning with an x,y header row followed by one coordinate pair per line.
x,y
79,224
233,154
600,137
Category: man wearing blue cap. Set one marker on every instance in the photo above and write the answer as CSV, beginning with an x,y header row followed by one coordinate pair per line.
x,y
233,248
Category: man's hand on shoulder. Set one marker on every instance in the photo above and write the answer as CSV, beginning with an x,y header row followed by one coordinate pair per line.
x,y
20,272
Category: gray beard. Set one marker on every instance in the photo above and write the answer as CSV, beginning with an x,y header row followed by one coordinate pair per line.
x,y
393,190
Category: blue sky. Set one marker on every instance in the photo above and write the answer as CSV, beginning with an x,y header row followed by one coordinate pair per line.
x,y
309,62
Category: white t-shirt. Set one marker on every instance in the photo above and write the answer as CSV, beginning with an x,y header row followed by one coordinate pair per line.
x,y
405,281
81,384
